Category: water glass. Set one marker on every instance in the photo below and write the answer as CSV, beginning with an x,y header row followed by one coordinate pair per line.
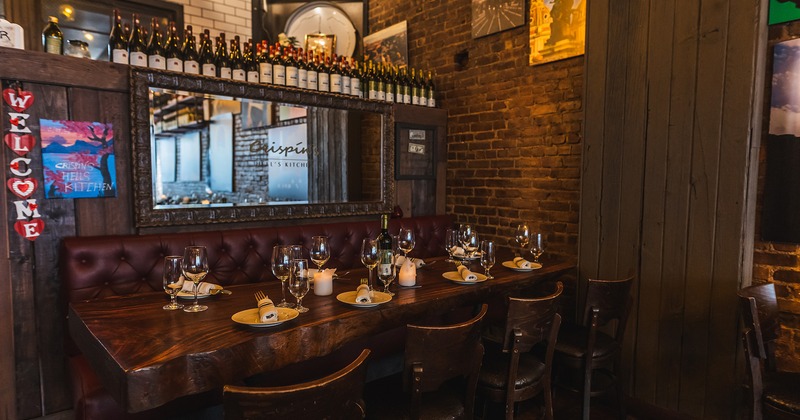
x,y
406,240
320,253
280,262
298,282
471,243
387,272
369,256
451,242
522,235
464,232
173,280
538,245
195,268
487,257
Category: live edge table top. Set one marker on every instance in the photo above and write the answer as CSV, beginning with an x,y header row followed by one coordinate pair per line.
x,y
146,356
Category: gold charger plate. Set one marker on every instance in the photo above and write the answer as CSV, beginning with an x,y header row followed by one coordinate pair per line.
x,y
511,265
250,317
378,298
456,278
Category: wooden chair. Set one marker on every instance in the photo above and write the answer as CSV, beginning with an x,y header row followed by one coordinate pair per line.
x,y
512,373
774,394
597,354
336,396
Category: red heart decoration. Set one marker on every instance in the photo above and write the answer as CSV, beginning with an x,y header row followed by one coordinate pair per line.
x,y
30,229
14,166
19,100
33,206
21,145
22,188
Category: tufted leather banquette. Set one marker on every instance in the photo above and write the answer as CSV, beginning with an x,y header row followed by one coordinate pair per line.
x,y
102,266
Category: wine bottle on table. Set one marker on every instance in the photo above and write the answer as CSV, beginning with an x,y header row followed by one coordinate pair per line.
x,y
156,58
52,37
137,51
191,63
223,62
174,55
117,44
385,250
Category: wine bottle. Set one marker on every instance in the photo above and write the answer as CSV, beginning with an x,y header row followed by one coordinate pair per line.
x,y
431,91
265,70
302,68
137,51
278,68
191,63
347,79
385,250
208,64
250,62
336,74
117,44
423,89
398,86
355,78
372,82
312,75
292,77
381,76
52,37
406,87
155,49
223,62
323,75
174,55
415,89
237,64
388,84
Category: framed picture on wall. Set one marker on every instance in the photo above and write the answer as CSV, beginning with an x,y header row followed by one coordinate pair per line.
x,y
557,30
492,16
781,11
321,43
414,152
389,46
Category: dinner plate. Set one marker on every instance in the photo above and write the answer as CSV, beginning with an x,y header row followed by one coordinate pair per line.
x,y
511,265
378,298
190,295
250,317
456,278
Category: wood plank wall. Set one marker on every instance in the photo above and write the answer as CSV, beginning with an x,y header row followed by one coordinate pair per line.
x,y
672,114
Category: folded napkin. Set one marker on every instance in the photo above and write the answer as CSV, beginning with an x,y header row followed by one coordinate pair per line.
x,y
267,311
522,262
458,251
418,262
466,274
363,294
203,288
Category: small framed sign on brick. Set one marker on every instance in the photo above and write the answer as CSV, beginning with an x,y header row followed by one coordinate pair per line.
x,y
414,152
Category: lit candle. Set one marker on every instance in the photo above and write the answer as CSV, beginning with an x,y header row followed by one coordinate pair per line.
x,y
323,283
408,274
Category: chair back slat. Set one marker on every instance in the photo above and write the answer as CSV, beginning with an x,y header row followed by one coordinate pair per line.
x,y
532,317
611,299
759,308
336,396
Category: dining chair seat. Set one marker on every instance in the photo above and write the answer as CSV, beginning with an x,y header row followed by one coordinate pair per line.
x,y
782,391
572,342
494,372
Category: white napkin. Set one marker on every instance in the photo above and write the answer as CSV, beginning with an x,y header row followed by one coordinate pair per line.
x,y
458,251
522,262
363,294
203,288
267,311
418,262
466,274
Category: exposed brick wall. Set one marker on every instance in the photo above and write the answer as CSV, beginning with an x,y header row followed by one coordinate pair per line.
x,y
514,131
233,17
775,262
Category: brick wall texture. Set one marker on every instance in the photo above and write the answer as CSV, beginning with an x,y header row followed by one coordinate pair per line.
x,y
514,131
233,17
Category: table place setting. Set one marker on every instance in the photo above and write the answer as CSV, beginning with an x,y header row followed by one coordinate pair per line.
x,y
521,264
363,297
266,314
464,276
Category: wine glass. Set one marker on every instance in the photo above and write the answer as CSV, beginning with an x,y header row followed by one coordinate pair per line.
x,y
387,272
464,231
451,242
487,257
538,245
471,243
523,235
298,282
369,256
280,262
406,241
173,280
320,253
195,268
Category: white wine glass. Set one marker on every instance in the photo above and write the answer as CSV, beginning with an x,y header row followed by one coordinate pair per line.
x,y
369,256
387,274
464,231
487,257
451,243
173,280
406,240
538,245
523,236
298,282
471,243
320,253
280,262
195,268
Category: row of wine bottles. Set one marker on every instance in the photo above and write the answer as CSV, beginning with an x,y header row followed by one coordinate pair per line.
x,y
266,64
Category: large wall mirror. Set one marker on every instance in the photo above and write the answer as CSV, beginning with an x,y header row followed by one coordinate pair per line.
x,y
212,151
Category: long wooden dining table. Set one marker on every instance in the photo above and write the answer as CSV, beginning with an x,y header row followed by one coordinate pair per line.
x,y
146,356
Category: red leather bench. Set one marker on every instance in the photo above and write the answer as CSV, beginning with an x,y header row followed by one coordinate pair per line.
x,y
101,266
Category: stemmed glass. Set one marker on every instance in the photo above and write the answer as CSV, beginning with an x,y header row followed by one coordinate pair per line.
x,y
298,282
195,268
173,280
387,274
487,257
451,242
280,268
369,256
538,245
406,241
471,243
320,253
523,235
464,232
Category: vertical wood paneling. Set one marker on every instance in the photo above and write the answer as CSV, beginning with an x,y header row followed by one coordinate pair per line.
x,y
8,406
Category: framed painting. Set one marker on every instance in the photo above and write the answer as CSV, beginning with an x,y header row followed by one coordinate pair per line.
x,y
492,16
389,45
321,43
557,30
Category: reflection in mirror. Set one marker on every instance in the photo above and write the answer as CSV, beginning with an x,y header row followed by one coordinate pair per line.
x,y
220,151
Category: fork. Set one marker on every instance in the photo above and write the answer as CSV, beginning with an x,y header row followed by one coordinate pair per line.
x,y
259,296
